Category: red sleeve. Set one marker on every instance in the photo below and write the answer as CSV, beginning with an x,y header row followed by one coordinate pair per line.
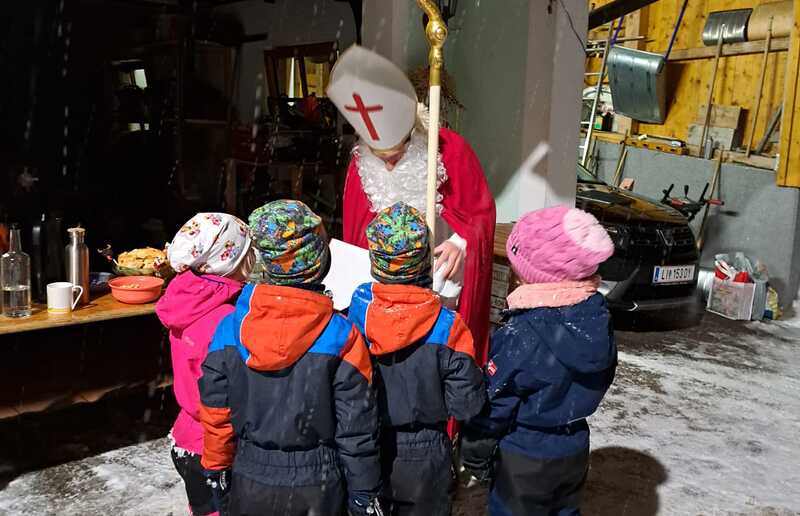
x,y
469,210
356,213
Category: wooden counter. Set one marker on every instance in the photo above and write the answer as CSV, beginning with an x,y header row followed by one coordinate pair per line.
x,y
103,308
501,233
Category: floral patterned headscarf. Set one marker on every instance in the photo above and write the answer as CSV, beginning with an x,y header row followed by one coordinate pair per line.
x,y
292,241
398,245
210,243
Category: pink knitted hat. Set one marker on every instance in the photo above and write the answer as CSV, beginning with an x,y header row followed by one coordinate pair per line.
x,y
557,244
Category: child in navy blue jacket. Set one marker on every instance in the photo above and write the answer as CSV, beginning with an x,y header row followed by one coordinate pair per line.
x,y
549,368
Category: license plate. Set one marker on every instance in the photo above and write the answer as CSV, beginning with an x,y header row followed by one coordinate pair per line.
x,y
673,274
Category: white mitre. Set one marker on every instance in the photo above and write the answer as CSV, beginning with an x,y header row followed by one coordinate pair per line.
x,y
374,96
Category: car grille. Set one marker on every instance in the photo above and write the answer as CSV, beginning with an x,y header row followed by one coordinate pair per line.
x,y
677,239
641,250
669,245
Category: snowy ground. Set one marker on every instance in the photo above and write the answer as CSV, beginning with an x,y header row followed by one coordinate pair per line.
x,y
699,421
702,421
135,480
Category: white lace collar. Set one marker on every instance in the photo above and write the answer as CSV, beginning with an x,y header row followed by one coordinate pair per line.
x,y
406,182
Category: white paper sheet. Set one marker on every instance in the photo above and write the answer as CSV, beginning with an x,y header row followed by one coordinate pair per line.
x,y
349,268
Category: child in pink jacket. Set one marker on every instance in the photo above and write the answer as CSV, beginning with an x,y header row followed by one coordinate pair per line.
x,y
213,256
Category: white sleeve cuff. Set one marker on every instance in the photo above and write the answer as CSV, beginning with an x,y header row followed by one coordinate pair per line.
x,y
459,242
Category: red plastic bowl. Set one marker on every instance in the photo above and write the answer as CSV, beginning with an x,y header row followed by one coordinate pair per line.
x,y
148,288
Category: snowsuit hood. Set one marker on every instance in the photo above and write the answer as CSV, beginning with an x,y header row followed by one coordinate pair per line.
x,y
279,324
189,297
399,316
580,338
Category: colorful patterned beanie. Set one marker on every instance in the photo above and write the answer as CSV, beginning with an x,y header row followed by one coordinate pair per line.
x,y
292,241
398,245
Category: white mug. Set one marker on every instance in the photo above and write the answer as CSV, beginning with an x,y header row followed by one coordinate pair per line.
x,y
61,297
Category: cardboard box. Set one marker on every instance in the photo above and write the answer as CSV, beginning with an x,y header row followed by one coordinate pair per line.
x,y
725,137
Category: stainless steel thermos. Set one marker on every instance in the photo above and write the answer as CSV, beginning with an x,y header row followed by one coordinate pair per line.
x,y
77,262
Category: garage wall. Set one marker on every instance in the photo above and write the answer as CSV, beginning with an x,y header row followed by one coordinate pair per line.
x,y
737,77
758,218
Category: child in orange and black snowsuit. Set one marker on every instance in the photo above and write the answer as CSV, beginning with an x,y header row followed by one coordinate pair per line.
x,y
424,362
287,398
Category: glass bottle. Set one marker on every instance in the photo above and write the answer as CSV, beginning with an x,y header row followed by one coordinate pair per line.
x,y
15,277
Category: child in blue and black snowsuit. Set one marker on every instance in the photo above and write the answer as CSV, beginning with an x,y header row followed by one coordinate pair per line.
x,y
287,401
549,367
424,362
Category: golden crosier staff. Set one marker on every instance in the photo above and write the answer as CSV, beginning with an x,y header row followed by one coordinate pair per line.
x,y
436,32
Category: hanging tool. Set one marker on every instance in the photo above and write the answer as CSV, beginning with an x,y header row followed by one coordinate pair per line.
x,y
623,154
714,183
638,79
735,22
707,118
773,123
760,87
780,12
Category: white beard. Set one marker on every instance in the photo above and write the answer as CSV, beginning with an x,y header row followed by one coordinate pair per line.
x,y
407,182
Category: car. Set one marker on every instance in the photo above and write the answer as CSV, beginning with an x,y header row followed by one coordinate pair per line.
x,y
654,268
655,265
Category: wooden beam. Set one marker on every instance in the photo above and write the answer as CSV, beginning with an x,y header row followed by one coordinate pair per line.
x,y
729,49
613,10
789,164
609,137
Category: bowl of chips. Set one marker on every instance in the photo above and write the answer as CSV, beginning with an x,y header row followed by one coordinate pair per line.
x,y
146,261
136,290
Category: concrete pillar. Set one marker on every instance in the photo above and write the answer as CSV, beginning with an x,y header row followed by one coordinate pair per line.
x,y
385,28
519,71
552,104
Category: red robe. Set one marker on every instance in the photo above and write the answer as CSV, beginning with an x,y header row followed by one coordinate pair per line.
x,y
468,208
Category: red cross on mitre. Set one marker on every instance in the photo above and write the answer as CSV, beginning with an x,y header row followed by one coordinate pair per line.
x,y
365,110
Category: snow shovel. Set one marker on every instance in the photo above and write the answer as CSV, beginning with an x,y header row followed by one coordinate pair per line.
x,y
638,80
